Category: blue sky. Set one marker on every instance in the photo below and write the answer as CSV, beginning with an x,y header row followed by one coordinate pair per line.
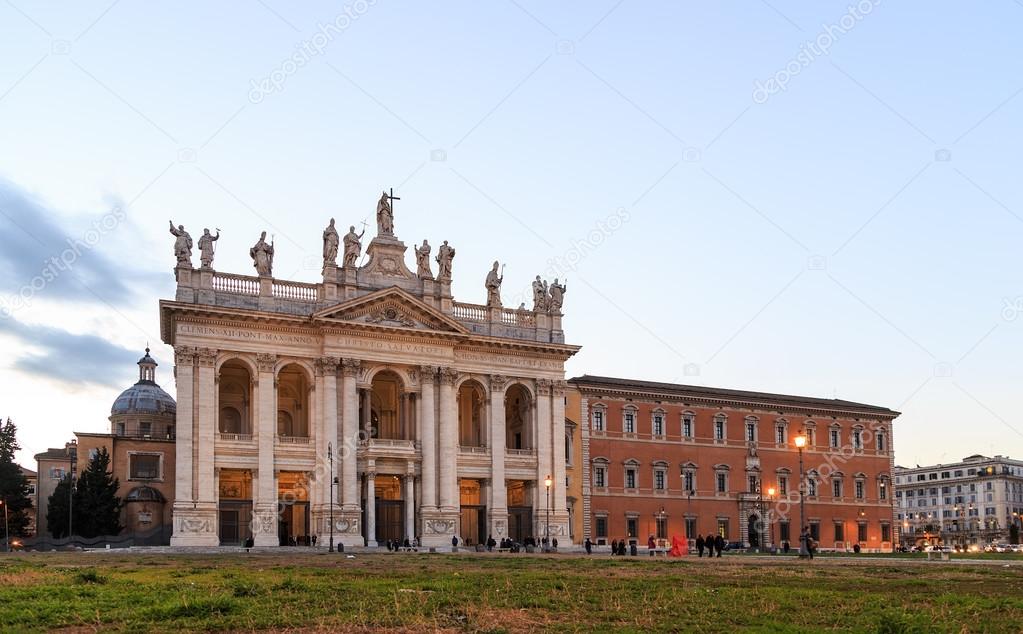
x,y
795,197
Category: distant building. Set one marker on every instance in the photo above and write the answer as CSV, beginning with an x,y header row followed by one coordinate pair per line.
x,y
973,501
31,476
51,466
668,460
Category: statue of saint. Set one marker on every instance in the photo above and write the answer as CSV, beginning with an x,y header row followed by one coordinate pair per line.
x,y
423,261
539,295
182,245
207,249
330,243
262,255
557,298
353,248
444,256
385,217
493,285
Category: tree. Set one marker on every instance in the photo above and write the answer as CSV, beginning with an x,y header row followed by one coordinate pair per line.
x,y
13,483
1014,533
97,509
57,508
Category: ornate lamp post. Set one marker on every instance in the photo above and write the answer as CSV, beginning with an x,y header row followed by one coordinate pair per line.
x,y
547,482
330,460
763,531
804,551
73,455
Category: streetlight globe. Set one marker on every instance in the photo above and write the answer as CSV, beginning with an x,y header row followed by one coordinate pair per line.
x,y
548,482
800,441
770,491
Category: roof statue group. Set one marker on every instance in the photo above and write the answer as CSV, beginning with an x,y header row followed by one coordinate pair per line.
x,y
546,298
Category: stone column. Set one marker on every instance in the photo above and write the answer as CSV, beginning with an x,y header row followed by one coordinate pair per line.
x,y
371,505
544,466
366,411
192,525
428,439
559,494
326,434
206,426
265,508
497,503
410,501
448,442
348,446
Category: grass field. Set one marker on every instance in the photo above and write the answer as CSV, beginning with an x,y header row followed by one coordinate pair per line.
x,y
318,592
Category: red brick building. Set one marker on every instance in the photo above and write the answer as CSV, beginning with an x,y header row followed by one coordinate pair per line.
x,y
668,460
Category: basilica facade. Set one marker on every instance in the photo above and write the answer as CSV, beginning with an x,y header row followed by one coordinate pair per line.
x,y
370,406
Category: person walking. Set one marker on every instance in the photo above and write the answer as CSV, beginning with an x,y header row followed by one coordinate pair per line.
x,y
699,544
614,547
719,544
589,546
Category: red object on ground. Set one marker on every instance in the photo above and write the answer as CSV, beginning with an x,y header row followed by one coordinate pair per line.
x,y
679,546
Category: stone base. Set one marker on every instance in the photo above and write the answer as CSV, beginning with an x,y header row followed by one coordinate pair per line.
x,y
558,527
194,525
438,527
497,523
265,525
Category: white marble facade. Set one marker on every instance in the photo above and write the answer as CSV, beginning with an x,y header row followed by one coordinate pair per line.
x,y
443,418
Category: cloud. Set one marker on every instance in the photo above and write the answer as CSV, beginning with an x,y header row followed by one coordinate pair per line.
x,y
43,258
66,357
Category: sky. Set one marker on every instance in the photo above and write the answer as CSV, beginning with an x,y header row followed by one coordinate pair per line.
x,y
814,198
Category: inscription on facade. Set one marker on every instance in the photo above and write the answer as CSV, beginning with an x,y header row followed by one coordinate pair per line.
x,y
198,330
390,346
500,359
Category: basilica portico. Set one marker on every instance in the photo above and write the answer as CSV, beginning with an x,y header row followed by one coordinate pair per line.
x,y
436,418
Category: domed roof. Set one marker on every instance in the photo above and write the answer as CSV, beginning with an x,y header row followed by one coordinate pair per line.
x,y
145,493
145,397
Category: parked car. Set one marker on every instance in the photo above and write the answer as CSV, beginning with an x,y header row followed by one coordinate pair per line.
x,y
735,546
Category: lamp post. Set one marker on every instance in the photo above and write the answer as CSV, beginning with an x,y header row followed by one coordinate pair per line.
x,y
763,531
330,460
73,455
547,525
7,534
804,550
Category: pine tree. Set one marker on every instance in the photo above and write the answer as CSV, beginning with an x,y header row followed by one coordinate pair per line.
x,y
13,483
57,508
97,509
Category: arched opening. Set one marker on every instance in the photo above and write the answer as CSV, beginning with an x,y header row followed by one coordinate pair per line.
x,y
292,402
235,400
471,415
518,418
388,416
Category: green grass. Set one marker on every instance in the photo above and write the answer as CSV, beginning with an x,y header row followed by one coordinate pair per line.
x,y
317,592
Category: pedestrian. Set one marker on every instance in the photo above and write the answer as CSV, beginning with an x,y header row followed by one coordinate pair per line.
x,y
719,544
554,543
614,547
621,548
454,543
491,542
699,544
651,545
314,541
589,546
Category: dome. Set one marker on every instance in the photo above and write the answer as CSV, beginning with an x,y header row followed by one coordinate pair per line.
x,y
145,494
145,397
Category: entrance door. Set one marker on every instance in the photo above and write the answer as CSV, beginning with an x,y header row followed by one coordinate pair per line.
x,y
473,525
753,528
229,534
390,520
520,523
293,526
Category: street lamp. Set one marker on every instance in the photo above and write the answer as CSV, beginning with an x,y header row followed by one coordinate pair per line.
x,y
73,455
763,523
330,460
804,550
547,482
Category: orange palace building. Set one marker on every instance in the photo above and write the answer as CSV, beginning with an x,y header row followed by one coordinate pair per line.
x,y
677,460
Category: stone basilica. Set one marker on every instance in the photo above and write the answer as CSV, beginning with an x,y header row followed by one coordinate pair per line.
x,y
371,405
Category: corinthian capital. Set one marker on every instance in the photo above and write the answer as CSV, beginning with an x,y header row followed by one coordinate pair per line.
x,y
498,382
559,388
351,367
207,357
266,362
327,366
448,376
184,355
544,386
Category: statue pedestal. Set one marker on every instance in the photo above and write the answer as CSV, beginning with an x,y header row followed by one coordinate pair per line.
x,y
205,294
329,283
429,292
438,528
266,293
349,282
195,524
183,274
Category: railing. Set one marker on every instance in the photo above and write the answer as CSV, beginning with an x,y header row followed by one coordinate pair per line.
x,y
394,443
470,312
293,440
236,437
528,453
237,284
299,291
145,435
474,450
517,317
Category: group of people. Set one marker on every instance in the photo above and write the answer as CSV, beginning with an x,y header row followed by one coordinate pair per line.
x,y
393,545
712,544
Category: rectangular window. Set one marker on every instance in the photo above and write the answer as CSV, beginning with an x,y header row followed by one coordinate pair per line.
x,y
783,485
143,466
630,423
836,488
857,439
145,428
630,478
751,432
658,425
883,490
120,429
722,479
811,487
598,420
839,532
662,528
723,528
780,435
690,526
601,527
631,527
886,533
784,531
659,478
687,426
719,430
811,438
56,473
882,447
752,484
688,482
600,477
834,438
861,532
859,489
815,531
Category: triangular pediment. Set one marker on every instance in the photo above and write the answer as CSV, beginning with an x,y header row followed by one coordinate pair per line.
x,y
391,308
